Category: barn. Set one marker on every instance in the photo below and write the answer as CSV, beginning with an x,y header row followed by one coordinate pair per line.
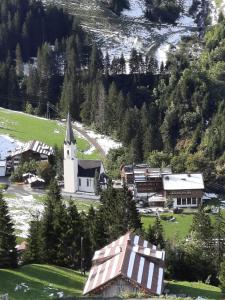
x,y
128,265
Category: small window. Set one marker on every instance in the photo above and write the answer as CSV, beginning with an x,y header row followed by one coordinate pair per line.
x,y
178,201
183,201
188,201
194,201
79,182
87,182
68,152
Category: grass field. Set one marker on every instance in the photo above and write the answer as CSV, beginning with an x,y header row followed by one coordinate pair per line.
x,y
24,127
194,289
39,282
175,230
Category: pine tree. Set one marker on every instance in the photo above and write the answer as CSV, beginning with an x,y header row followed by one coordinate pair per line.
x,y
8,253
155,234
201,227
33,253
54,226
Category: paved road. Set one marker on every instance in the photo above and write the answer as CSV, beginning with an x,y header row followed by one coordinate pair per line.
x,y
23,190
90,140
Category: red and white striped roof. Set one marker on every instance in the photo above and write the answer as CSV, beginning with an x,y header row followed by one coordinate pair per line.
x,y
35,146
131,258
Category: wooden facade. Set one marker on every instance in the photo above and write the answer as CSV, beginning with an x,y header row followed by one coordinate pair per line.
x,y
118,287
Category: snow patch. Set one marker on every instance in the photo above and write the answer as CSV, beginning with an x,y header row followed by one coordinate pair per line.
x,y
8,145
22,209
136,10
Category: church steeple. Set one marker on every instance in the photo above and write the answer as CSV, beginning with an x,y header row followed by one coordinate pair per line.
x,y
69,139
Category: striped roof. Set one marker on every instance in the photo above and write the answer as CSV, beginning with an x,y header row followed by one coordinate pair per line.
x,y
34,146
131,258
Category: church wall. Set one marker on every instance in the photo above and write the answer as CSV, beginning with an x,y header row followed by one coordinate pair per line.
x,y
70,180
86,184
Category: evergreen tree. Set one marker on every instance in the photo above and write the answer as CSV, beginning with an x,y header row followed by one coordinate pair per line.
x,y
33,253
54,227
155,234
8,252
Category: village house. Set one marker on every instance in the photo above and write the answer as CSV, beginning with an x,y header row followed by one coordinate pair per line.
x,y
80,175
128,265
185,190
32,150
155,186
2,168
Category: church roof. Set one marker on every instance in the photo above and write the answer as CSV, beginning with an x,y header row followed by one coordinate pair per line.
x,y
69,132
87,168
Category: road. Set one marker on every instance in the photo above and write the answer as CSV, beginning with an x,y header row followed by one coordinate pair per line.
x,y
91,140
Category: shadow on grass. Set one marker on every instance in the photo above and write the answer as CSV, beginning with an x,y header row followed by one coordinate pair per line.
x,y
38,278
192,291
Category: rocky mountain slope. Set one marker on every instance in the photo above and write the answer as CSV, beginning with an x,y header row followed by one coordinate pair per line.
x,y
119,34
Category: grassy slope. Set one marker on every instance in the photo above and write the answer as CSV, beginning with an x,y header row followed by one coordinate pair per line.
x,y
25,127
45,280
38,278
194,289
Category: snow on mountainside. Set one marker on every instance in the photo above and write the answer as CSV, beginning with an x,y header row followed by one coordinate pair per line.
x,y
130,30
215,9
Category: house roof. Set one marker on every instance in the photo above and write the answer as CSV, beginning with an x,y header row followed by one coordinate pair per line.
x,y
35,146
131,258
87,168
69,139
183,182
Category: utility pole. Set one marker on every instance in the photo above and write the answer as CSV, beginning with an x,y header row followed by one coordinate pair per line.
x,y
82,267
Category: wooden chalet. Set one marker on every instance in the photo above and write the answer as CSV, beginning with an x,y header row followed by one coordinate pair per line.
x,y
157,185
127,265
145,178
35,150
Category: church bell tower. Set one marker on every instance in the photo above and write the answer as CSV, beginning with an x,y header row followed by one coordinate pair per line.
x,y
70,160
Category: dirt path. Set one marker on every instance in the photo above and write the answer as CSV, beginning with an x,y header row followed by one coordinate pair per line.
x,y
91,140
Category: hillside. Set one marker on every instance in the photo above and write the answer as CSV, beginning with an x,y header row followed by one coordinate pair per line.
x,y
24,127
119,34
40,282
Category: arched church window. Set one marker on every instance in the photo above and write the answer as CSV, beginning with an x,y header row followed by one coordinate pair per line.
x,y
68,152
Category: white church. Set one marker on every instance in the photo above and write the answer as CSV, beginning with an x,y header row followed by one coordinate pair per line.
x,y
79,174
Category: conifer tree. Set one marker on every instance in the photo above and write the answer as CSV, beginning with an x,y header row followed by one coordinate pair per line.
x,y
155,234
33,253
54,226
8,252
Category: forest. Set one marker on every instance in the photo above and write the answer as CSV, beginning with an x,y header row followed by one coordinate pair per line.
x,y
165,115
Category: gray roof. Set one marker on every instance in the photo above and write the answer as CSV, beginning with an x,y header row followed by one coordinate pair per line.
x,y
87,168
69,132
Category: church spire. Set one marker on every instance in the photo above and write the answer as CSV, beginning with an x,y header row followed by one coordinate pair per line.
x,y
69,139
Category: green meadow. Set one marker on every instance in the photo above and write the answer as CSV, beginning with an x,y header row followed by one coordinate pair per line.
x,y
40,282
24,127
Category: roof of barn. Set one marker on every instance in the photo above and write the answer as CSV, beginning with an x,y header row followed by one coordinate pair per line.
x,y
131,258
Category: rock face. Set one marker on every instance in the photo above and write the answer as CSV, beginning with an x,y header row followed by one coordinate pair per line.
x,y
119,34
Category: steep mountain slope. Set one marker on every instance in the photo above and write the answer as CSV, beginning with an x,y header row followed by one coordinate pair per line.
x,y
119,34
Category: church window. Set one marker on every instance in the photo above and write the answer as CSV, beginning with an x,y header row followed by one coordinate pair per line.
x,y
87,182
79,182
68,152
